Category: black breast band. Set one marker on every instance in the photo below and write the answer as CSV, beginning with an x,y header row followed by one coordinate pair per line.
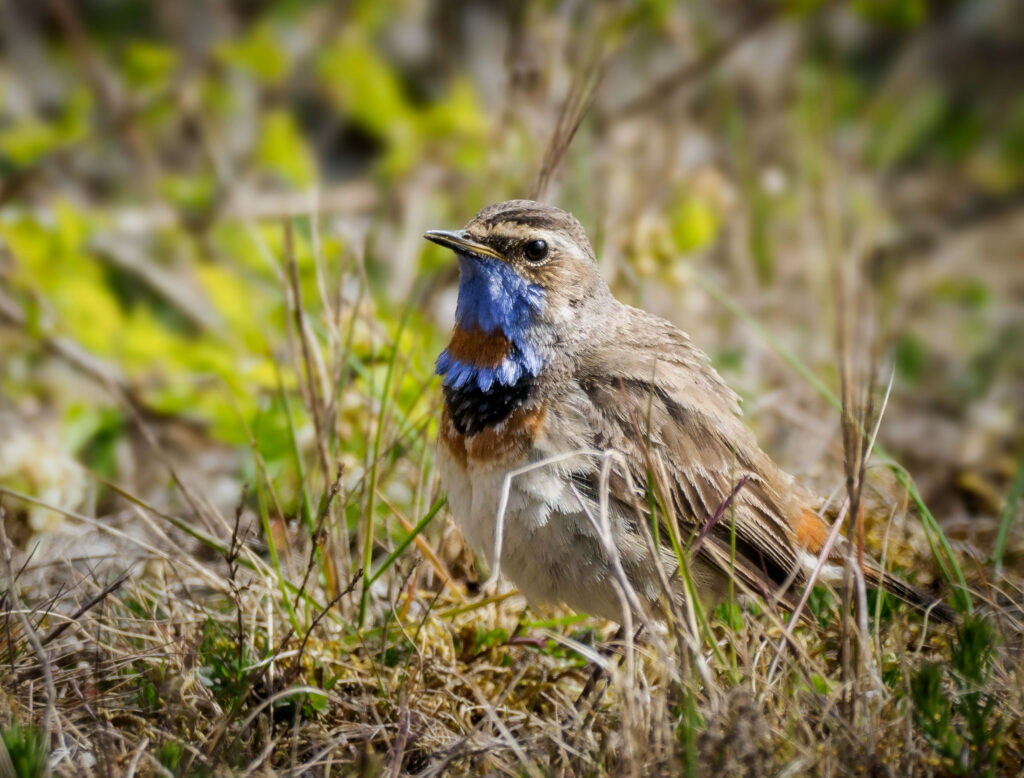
x,y
472,409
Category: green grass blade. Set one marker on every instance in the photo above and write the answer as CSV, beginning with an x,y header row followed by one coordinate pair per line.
x,y
371,497
1009,512
420,526
300,468
275,561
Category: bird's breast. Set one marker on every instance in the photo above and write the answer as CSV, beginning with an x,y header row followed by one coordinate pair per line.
x,y
473,469
500,445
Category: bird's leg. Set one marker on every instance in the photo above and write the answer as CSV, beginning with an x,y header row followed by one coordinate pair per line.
x,y
596,671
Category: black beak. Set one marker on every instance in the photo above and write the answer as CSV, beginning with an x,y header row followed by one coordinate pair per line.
x,y
461,242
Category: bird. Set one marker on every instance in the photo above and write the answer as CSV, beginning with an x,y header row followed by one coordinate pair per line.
x,y
570,419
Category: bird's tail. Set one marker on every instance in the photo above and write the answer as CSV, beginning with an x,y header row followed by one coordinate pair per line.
x,y
901,590
810,531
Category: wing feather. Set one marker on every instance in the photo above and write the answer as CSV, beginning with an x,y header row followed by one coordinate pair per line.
x,y
660,403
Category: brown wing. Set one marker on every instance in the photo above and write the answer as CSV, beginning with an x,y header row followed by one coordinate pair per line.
x,y
654,397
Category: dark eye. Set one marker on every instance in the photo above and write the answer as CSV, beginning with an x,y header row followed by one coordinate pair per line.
x,y
536,250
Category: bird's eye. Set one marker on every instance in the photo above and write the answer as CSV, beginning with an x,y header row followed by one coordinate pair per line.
x,y
536,250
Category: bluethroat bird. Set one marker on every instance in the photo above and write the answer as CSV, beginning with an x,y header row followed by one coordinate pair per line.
x,y
566,413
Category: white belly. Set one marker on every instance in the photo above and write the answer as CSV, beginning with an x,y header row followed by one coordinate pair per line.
x,y
550,549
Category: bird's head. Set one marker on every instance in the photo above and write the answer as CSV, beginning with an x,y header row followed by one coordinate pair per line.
x,y
527,279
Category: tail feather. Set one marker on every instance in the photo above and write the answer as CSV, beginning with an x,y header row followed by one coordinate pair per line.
x,y
811,531
932,607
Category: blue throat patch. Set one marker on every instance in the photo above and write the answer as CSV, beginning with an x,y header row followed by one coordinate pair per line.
x,y
493,296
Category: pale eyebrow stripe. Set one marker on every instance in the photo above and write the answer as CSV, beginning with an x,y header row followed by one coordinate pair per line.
x,y
529,218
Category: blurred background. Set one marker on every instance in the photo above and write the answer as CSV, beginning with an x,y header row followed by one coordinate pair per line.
x,y
211,218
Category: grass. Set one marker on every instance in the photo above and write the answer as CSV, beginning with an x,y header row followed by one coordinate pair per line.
x,y
239,649
25,751
963,724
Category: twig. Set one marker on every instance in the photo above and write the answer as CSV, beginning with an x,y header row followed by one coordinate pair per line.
x,y
398,747
719,513
506,488
113,586
318,537
319,617
133,765
823,557
573,110
232,558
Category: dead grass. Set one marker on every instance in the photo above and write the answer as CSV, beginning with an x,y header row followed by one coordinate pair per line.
x,y
235,647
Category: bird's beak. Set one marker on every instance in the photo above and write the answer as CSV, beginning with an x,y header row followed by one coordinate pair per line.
x,y
460,241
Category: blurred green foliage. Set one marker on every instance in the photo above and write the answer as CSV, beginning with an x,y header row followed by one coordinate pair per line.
x,y
26,750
